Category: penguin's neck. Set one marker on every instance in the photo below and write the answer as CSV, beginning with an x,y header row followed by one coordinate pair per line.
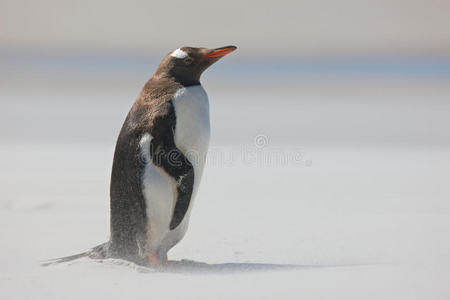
x,y
183,80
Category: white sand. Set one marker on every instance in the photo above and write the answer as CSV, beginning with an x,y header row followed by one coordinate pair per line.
x,y
351,202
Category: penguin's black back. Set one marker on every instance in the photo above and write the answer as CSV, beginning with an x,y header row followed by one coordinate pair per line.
x,y
128,218
151,113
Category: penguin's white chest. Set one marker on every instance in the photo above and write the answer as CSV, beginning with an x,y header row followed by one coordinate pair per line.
x,y
191,136
192,132
192,127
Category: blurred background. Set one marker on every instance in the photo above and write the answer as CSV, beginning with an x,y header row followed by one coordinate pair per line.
x,y
332,119
330,74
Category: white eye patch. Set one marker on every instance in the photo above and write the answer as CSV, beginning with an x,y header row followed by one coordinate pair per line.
x,y
179,54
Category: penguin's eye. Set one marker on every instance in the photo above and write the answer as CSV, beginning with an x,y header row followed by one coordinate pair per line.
x,y
188,60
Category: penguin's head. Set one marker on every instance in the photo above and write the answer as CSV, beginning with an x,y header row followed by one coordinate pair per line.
x,y
186,64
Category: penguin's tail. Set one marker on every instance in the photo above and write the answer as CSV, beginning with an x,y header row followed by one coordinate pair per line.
x,y
98,252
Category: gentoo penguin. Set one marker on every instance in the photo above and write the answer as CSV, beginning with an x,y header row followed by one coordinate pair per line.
x,y
159,159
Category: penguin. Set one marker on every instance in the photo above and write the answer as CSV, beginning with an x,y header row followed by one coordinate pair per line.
x,y
158,161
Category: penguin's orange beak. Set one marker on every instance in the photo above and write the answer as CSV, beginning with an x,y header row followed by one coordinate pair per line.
x,y
219,52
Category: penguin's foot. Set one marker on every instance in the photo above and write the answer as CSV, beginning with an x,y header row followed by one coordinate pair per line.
x,y
156,260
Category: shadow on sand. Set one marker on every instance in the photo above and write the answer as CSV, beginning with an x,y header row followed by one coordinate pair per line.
x,y
193,267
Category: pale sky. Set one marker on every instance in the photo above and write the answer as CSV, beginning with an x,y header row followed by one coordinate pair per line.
x,y
256,27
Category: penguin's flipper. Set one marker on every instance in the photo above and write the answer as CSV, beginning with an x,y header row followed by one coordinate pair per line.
x,y
181,168
166,155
